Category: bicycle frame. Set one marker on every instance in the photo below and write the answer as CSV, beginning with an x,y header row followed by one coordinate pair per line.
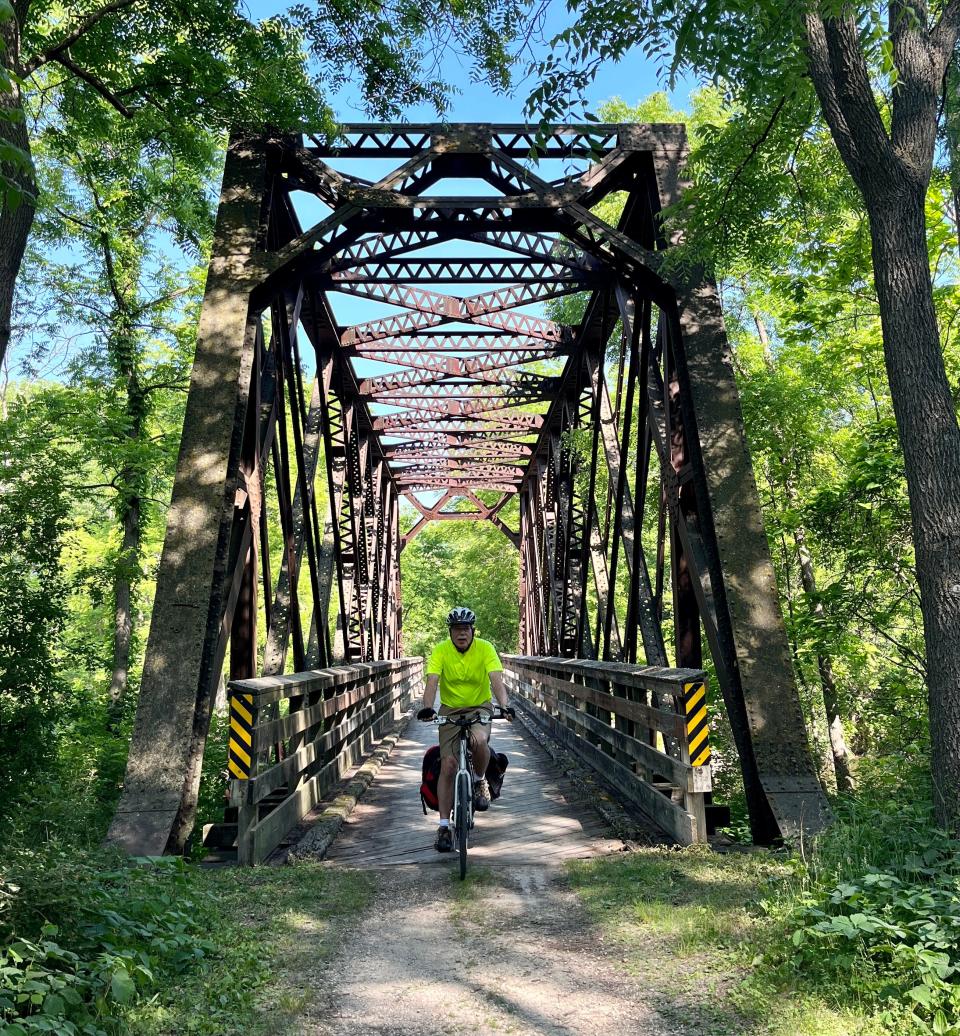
x,y
462,813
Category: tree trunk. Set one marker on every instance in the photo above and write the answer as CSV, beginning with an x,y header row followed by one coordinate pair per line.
x,y
951,125
930,438
15,222
838,746
892,167
123,587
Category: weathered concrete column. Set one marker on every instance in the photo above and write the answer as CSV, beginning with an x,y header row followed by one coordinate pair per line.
x,y
186,642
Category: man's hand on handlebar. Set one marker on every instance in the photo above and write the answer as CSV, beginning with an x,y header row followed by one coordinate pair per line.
x,y
426,715
508,712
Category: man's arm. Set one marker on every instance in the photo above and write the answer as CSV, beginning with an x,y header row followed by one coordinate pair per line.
x,y
499,691
430,690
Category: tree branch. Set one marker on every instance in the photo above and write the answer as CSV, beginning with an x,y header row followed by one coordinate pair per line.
x,y
112,279
818,61
943,36
97,84
161,300
754,148
170,386
54,52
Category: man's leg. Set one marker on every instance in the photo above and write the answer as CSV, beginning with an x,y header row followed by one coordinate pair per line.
x,y
448,770
480,751
479,748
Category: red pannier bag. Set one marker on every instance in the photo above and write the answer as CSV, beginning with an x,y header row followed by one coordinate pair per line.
x,y
430,777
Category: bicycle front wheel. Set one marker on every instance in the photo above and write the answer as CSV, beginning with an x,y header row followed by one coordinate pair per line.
x,y
464,793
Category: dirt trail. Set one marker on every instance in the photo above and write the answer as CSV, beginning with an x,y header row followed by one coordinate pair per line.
x,y
511,952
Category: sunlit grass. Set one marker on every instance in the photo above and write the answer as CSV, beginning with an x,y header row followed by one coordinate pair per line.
x,y
269,924
692,923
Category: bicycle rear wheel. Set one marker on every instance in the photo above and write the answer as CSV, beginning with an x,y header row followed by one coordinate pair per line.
x,y
464,791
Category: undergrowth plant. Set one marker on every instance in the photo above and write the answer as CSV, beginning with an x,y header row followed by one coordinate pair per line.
x,y
84,935
874,917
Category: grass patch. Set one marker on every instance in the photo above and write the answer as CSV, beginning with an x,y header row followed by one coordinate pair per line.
x,y
274,930
694,926
467,902
94,944
859,936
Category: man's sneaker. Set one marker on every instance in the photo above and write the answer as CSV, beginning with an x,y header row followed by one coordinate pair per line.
x,y
481,795
444,842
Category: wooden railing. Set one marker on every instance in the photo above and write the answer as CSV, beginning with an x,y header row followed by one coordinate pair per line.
x,y
643,728
292,738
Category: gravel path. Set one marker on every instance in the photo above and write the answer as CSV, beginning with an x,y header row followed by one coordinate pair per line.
x,y
511,952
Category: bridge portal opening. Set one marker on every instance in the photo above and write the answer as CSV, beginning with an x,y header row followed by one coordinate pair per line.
x,y
464,319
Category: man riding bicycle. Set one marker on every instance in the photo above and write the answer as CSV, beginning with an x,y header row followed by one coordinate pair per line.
x,y
466,669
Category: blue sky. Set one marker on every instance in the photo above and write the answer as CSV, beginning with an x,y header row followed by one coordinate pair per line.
x,y
632,79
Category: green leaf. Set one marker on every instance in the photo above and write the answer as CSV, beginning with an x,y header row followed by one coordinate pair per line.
x,y
53,1004
921,994
122,986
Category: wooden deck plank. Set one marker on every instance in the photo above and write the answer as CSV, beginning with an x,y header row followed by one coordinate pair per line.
x,y
537,820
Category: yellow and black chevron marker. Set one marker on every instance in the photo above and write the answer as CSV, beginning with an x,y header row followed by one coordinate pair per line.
x,y
240,756
695,711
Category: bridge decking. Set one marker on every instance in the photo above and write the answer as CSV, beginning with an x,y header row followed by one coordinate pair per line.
x,y
537,820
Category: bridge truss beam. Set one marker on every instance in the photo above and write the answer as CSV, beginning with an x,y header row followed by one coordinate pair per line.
x,y
609,450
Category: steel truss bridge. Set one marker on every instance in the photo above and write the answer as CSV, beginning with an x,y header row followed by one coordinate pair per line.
x,y
375,341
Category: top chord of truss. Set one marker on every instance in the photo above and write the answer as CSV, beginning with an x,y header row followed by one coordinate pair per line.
x,y
392,140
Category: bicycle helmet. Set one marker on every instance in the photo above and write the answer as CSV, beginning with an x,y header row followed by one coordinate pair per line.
x,y
461,617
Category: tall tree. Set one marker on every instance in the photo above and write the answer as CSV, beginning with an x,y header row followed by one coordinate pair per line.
x,y
118,228
874,72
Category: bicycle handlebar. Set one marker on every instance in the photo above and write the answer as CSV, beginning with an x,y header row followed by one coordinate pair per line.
x,y
468,721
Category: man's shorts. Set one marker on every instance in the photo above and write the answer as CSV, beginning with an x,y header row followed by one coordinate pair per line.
x,y
450,733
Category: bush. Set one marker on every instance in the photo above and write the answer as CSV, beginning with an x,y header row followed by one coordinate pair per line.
x,y
877,917
85,935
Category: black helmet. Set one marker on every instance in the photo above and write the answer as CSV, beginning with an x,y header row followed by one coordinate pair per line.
x,y
461,617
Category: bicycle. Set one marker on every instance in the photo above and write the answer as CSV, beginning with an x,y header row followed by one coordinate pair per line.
x,y
462,814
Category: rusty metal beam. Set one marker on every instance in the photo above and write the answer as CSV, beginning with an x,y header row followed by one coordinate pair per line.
x,y
481,394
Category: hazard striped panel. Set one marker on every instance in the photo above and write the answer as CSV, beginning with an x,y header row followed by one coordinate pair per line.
x,y
695,711
240,755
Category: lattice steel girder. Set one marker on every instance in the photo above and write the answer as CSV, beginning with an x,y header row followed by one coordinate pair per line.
x,y
506,425
462,271
485,305
518,385
485,342
420,320
387,140
425,485
379,246
454,411
460,438
422,372
493,449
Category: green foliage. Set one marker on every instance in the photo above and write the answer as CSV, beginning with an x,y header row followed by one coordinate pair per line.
x,y
459,563
95,945
106,933
33,515
859,934
876,915
271,927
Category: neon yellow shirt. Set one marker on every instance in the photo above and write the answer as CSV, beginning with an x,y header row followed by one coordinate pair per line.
x,y
464,677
